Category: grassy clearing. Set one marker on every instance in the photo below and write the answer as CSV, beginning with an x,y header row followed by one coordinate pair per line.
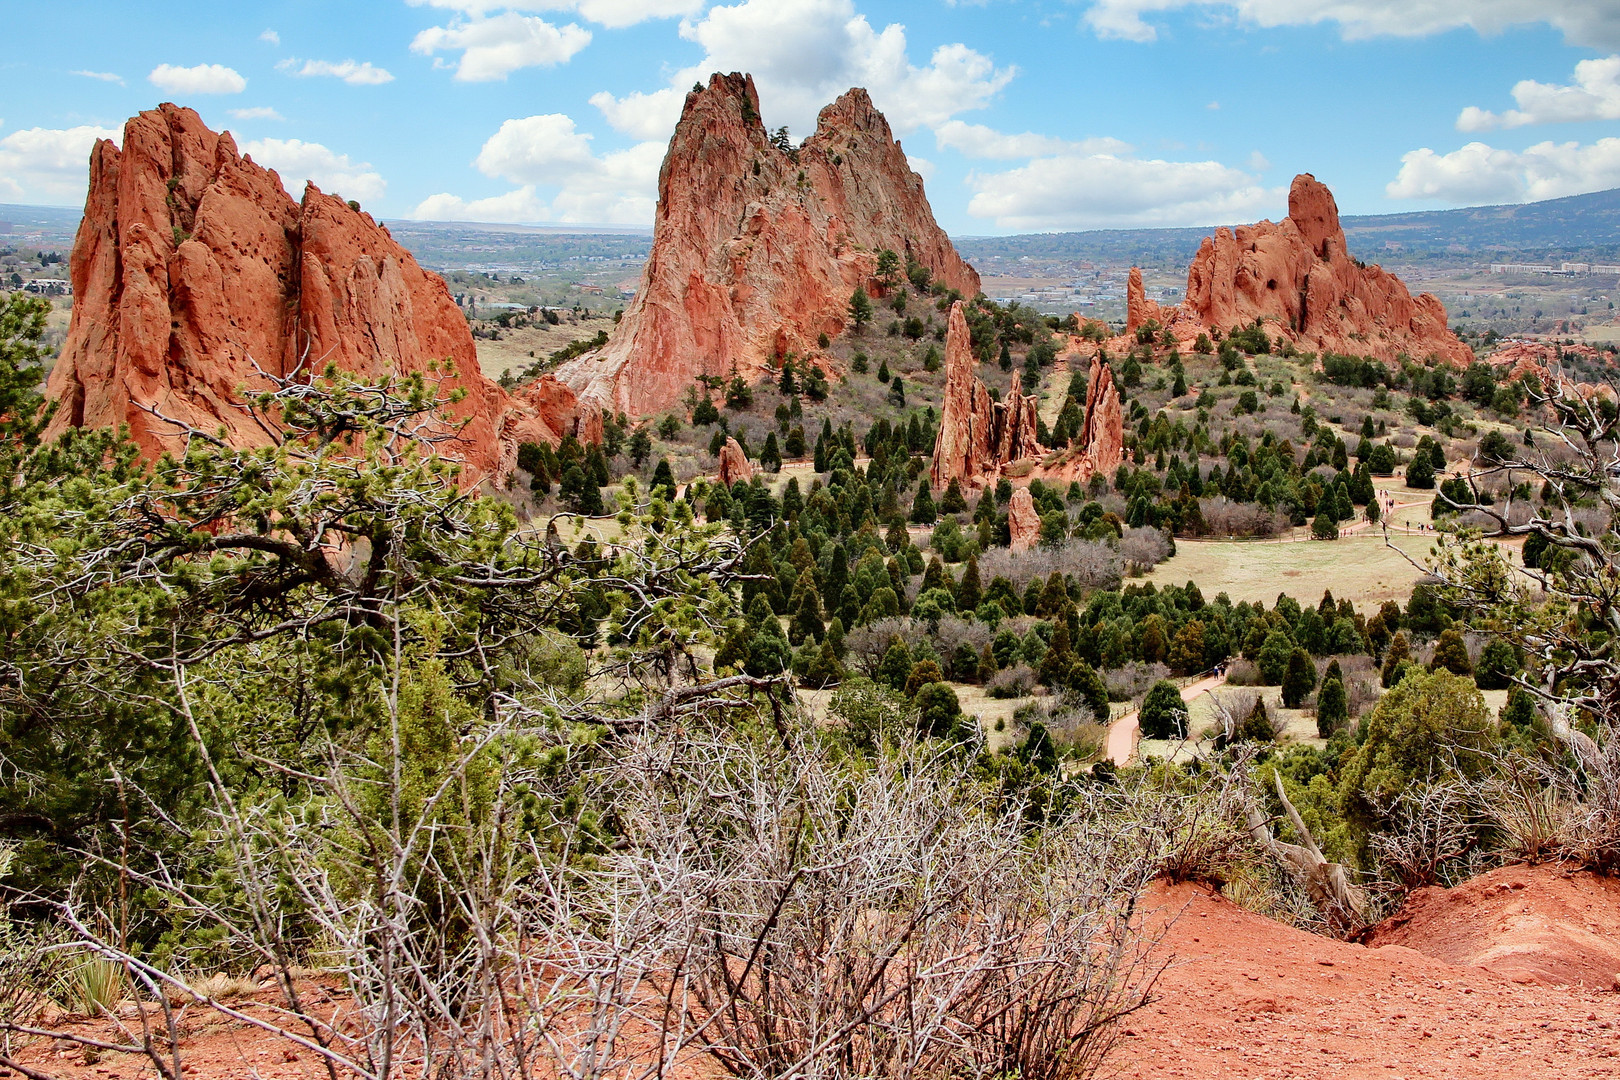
x,y
1359,568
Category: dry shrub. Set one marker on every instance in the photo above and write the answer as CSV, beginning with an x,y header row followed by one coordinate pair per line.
x,y
1092,564
867,644
1074,730
954,632
1223,517
776,909
1131,681
1011,682
1143,548
1242,673
1432,837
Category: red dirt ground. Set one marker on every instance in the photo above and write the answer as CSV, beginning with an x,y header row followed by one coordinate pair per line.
x,y
1248,997
1530,924
1245,997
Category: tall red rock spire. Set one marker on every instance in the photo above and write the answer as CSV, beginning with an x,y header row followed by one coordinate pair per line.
x,y
192,265
756,248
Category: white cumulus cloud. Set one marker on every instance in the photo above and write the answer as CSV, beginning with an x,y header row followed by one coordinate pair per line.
x,y
804,53
201,79
492,48
1478,173
1594,23
102,76
270,37
610,13
1594,94
546,153
257,112
333,173
1108,190
48,165
979,141
351,72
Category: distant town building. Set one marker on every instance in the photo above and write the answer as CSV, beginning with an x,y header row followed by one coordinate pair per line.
x,y
1566,269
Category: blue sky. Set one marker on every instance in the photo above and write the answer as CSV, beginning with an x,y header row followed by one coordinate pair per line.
x,y
1023,115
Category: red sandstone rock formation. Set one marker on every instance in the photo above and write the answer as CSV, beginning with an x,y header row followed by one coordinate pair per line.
x,y
756,250
1138,308
192,265
1298,276
979,439
1023,523
734,466
977,435
1102,434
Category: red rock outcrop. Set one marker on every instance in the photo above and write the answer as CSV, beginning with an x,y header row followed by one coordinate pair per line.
x,y
1102,433
756,249
980,439
192,265
1023,523
1297,275
977,435
734,464
1138,308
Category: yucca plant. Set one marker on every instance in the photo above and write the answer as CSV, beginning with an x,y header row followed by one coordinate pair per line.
x,y
95,986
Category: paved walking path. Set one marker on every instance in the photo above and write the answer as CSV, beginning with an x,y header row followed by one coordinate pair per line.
x,y
1125,732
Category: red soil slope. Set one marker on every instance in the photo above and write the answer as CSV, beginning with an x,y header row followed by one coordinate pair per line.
x,y
1529,924
1248,997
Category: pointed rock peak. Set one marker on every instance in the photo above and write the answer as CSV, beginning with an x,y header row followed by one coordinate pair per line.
x,y
194,270
1315,214
853,112
757,248
727,95
958,339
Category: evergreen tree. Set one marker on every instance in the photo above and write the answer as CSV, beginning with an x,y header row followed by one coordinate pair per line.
x,y
1451,653
968,593
953,501
1498,663
770,458
1299,679
808,621
860,308
1163,714
1084,681
1332,703
663,481
640,446
1398,654
580,491
883,371
895,666
922,507
1420,472
1272,658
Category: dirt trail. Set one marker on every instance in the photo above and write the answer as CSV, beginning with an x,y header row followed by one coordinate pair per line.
x,y
1124,731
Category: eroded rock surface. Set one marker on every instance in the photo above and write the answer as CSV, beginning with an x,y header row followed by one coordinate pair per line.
x,y
193,270
981,439
1023,523
756,249
1297,275
734,465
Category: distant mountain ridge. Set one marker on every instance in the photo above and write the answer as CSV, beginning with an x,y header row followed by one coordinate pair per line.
x,y
1577,227
1585,226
